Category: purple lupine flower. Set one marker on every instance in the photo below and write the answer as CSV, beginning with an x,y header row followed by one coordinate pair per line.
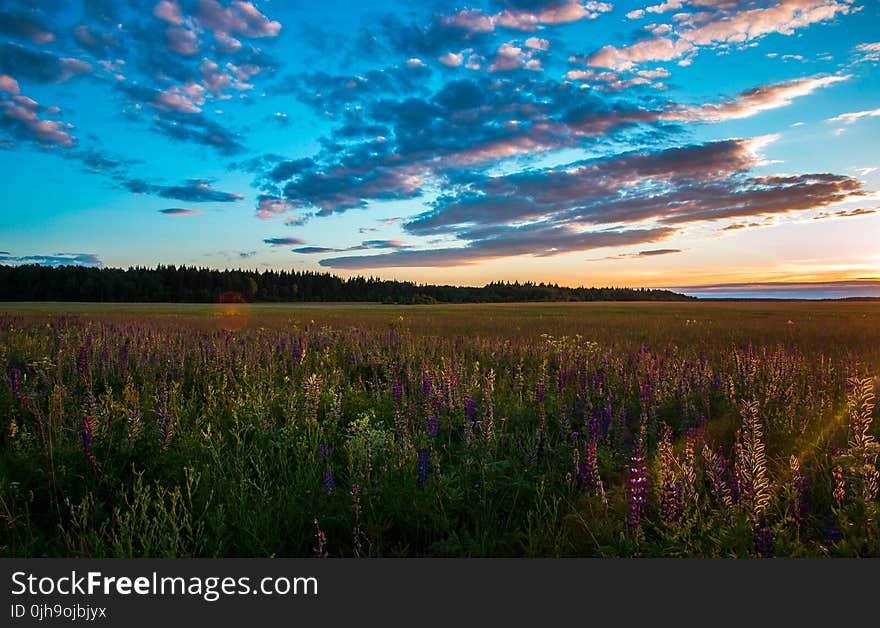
x,y
433,425
470,412
539,392
16,383
426,385
82,364
574,436
763,538
593,427
397,393
424,467
830,537
798,506
735,487
329,484
123,358
638,489
561,380
582,474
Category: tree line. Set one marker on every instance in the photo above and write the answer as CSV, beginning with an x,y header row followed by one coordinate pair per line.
x,y
187,284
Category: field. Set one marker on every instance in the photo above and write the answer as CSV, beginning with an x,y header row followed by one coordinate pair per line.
x,y
600,429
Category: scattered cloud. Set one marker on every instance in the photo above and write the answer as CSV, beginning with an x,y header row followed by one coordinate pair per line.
x,y
718,25
191,190
58,259
284,241
181,211
850,118
756,100
39,66
846,213
23,118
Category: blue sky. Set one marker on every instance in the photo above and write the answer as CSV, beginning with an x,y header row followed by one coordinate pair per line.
x,y
724,147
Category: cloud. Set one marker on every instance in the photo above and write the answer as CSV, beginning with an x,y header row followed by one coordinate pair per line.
x,y
241,18
315,250
511,57
850,118
284,241
20,116
451,59
868,52
640,254
38,65
101,161
198,129
397,245
737,226
181,211
655,252
58,259
182,98
624,199
27,25
191,190
846,213
8,85
169,11
183,41
537,43
722,24
402,144
100,44
606,190
786,290
527,16
755,100
269,206
505,242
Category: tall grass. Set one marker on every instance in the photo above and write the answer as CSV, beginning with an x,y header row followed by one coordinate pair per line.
x,y
674,430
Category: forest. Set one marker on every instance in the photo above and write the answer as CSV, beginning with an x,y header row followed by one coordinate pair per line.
x,y
187,284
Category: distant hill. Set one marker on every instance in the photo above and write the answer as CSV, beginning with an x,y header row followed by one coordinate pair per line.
x,y
185,284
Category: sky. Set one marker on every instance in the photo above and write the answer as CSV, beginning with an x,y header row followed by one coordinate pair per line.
x,y
717,147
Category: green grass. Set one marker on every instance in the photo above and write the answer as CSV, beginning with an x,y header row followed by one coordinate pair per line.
x,y
207,426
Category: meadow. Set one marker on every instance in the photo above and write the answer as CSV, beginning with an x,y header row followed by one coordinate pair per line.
x,y
595,429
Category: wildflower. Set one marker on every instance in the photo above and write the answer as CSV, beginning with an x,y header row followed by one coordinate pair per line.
x,y
123,359
329,484
424,468
16,383
763,539
470,411
638,489
426,385
433,425
82,364
397,393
